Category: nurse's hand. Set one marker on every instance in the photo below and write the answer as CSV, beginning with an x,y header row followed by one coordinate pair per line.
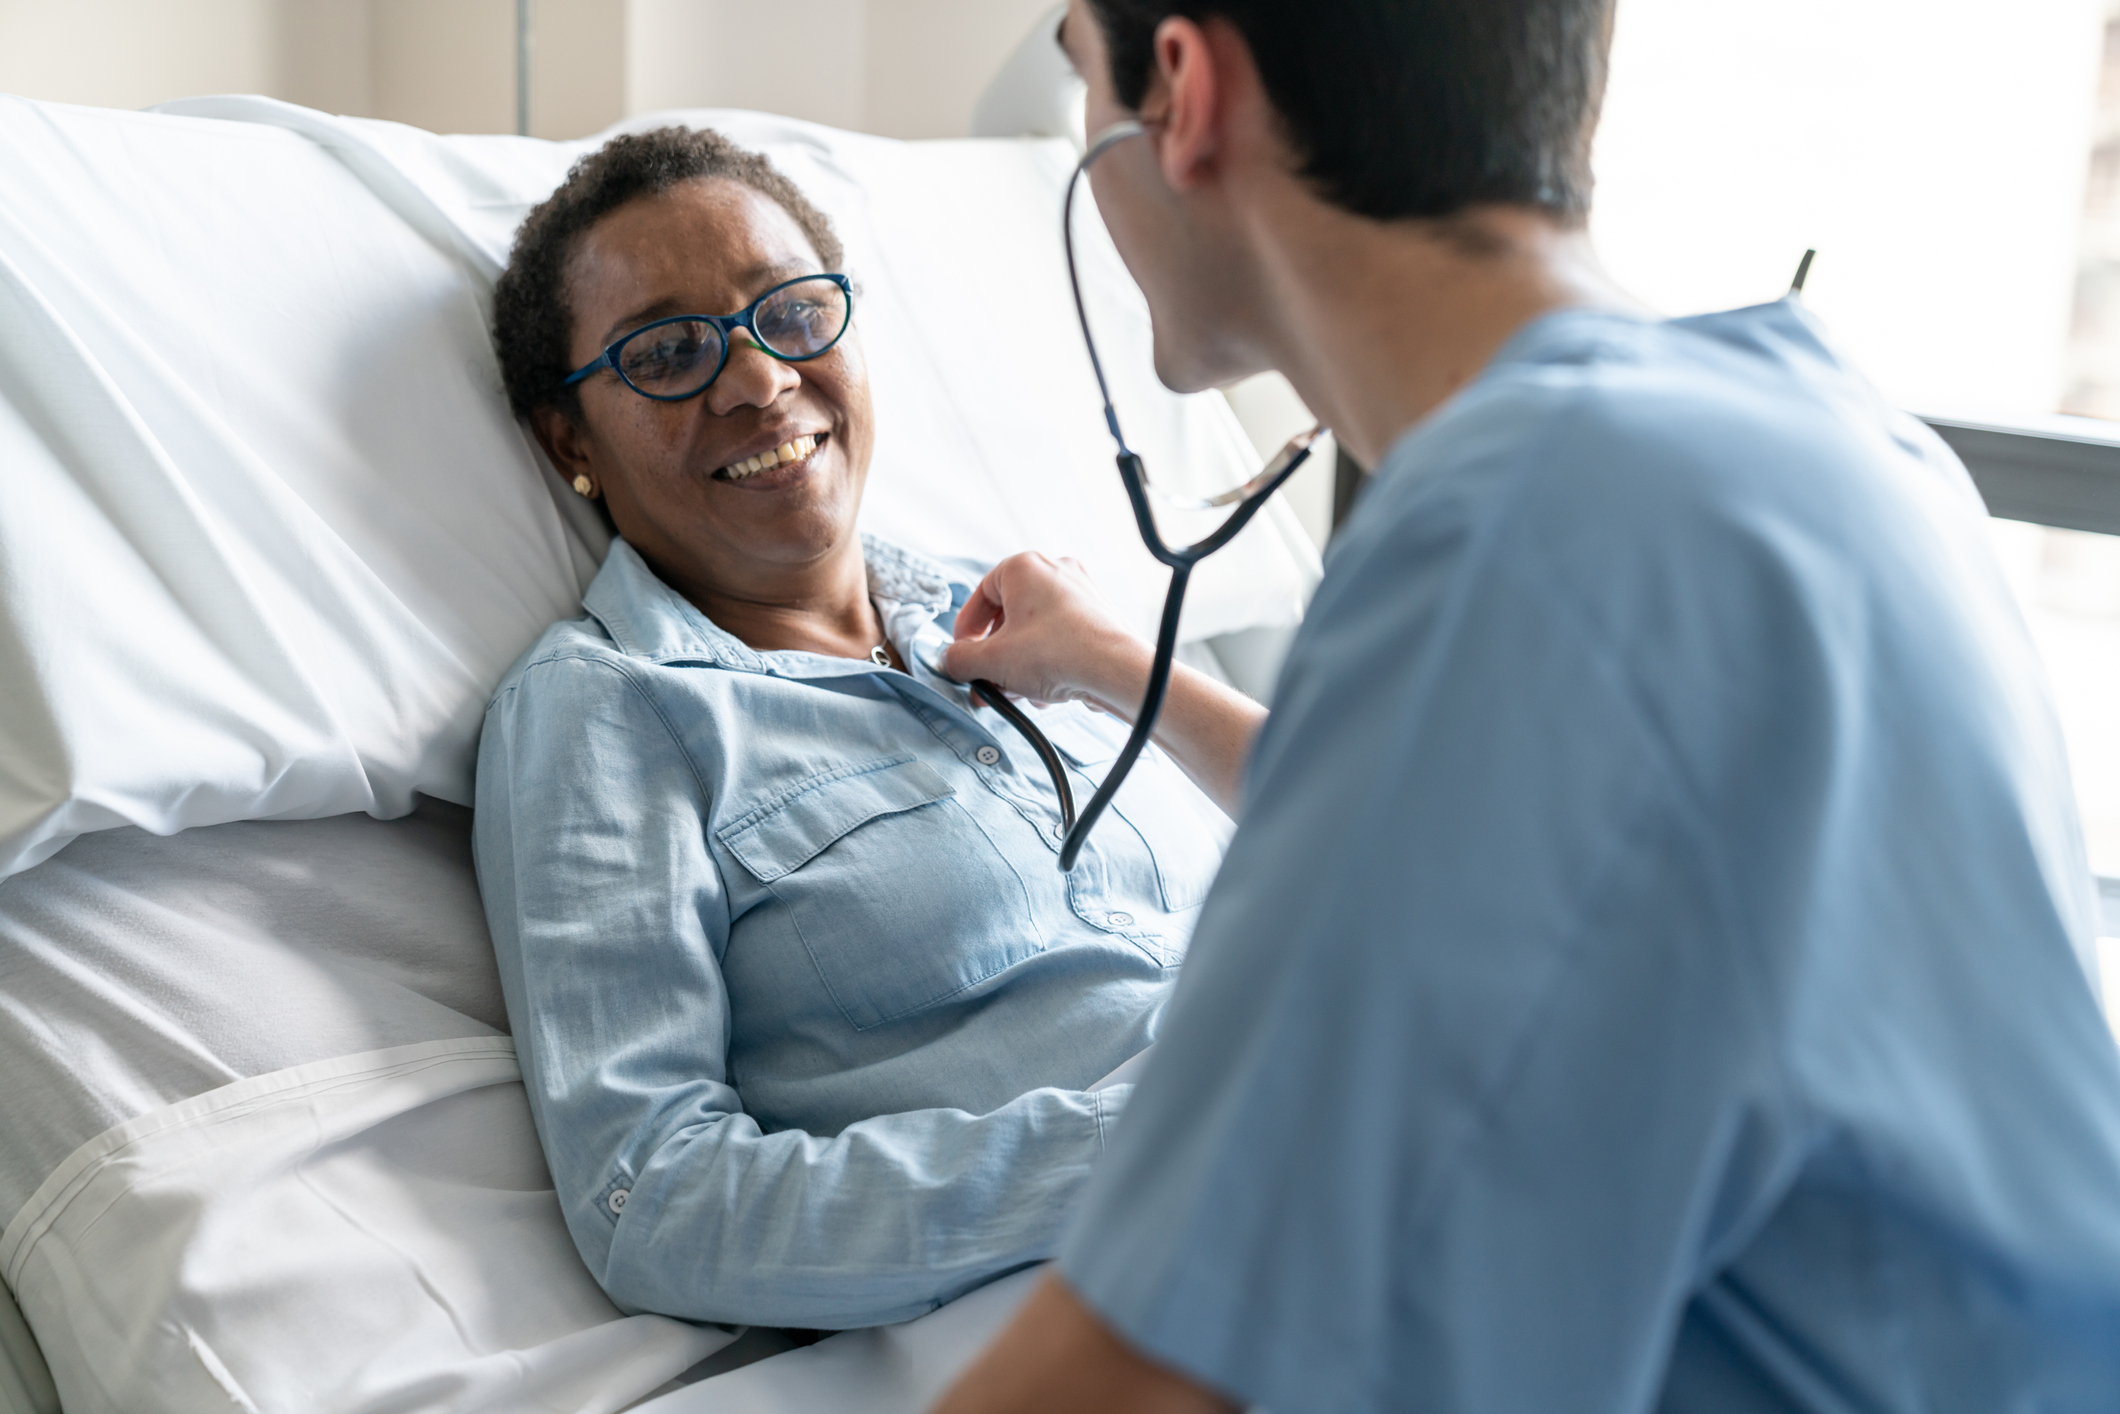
x,y
1037,627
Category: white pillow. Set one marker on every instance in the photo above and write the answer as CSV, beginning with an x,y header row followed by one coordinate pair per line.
x,y
269,534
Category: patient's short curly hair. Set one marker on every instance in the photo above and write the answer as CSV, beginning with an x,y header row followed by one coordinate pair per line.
x,y
532,320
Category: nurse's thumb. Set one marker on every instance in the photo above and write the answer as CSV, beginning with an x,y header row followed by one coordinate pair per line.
x,y
969,658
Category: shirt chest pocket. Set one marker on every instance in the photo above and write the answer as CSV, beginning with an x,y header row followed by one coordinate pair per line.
x,y
1181,832
900,897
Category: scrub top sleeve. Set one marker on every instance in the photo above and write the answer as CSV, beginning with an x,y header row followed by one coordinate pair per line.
x,y
1460,1048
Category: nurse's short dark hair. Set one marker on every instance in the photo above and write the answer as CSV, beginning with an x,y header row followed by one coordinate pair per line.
x,y
533,323
1411,108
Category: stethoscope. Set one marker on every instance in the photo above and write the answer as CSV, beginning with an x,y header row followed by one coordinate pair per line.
x,y
1247,499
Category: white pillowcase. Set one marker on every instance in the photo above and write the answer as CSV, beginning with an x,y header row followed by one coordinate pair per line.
x,y
270,535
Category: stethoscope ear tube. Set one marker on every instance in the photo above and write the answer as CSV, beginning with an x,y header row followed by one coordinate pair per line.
x,y
1248,498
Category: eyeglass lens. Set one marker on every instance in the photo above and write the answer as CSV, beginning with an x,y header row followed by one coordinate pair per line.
x,y
676,359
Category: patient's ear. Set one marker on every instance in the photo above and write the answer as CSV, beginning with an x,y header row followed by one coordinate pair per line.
x,y
563,442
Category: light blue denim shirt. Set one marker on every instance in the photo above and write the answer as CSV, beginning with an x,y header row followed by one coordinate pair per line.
x,y
805,1006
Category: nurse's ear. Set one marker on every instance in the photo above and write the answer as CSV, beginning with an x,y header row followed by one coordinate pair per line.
x,y
1203,89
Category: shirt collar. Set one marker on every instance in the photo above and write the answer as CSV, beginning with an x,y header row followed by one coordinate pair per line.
x,y
648,619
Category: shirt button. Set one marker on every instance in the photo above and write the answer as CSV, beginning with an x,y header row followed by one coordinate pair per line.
x,y
988,755
1119,920
617,1201
1059,830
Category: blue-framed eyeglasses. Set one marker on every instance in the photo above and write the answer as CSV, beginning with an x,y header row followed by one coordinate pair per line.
x,y
677,358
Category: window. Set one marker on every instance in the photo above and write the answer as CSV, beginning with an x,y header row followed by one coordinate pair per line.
x,y
1936,152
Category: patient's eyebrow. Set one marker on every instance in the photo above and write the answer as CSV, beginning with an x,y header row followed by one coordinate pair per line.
x,y
647,314
758,279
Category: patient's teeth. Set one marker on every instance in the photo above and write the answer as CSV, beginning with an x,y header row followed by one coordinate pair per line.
x,y
786,454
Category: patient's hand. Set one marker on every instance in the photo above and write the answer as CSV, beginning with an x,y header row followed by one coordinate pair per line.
x,y
1037,627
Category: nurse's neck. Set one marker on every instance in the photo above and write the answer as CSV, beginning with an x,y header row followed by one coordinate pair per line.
x,y
1379,323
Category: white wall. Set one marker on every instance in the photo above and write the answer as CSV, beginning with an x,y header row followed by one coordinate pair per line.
x,y
325,55
903,68
130,53
805,58
929,59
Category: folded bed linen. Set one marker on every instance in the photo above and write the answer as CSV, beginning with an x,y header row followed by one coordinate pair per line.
x,y
138,970
375,1232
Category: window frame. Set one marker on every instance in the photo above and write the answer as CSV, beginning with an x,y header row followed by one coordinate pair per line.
x,y
2060,471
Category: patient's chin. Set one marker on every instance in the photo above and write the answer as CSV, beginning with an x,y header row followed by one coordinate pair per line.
x,y
793,521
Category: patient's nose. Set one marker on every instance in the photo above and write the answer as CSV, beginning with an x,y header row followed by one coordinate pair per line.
x,y
751,378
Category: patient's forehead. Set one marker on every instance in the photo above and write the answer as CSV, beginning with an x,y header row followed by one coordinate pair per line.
x,y
707,246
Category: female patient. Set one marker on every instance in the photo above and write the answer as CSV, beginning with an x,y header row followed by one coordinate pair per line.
x,y
804,1006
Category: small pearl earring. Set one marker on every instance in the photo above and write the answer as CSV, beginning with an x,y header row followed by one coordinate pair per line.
x,y
582,486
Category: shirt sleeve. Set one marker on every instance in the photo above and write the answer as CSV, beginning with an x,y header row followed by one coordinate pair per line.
x,y
609,921
1467,1067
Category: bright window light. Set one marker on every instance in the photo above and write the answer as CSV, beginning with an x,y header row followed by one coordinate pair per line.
x,y
1934,151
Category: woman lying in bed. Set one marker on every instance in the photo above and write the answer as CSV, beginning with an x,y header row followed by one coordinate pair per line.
x,y
805,1008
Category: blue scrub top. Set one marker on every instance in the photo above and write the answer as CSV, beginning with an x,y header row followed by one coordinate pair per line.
x,y
1650,972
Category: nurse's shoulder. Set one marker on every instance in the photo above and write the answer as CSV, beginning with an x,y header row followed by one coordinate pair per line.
x,y
1619,460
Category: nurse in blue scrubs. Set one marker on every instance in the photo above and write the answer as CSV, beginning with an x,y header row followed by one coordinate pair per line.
x,y
1651,971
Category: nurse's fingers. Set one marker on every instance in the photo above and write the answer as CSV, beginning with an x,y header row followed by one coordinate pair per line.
x,y
980,612
1037,627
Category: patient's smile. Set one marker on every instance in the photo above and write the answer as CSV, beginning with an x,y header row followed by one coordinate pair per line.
x,y
786,454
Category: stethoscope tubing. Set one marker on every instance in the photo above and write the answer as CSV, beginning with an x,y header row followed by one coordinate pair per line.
x,y
1179,560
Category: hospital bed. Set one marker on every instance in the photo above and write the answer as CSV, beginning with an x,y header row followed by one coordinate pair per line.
x,y
268,537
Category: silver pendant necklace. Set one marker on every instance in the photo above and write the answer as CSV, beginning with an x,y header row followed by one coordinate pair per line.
x,y
880,655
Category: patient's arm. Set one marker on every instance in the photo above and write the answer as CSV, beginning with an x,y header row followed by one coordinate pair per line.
x,y
610,924
1038,627
1056,1355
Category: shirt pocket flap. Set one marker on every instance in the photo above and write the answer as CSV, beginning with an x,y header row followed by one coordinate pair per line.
x,y
784,834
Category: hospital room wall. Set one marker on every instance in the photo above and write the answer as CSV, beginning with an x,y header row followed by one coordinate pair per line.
x,y
902,68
